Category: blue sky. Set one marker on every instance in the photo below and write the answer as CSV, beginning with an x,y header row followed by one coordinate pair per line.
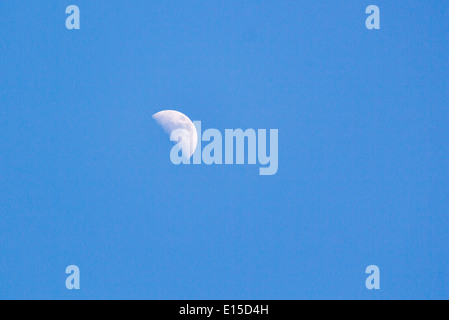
x,y
86,178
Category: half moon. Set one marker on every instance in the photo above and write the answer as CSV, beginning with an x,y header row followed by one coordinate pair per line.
x,y
171,120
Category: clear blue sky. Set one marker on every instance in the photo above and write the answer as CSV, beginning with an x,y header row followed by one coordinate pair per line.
x,y
86,179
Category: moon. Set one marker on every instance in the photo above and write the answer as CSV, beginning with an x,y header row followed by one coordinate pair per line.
x,y
171,120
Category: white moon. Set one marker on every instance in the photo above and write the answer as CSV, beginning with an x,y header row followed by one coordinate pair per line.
x,y
172,120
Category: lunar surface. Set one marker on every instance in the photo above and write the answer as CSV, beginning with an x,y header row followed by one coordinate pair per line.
x,y
171,120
